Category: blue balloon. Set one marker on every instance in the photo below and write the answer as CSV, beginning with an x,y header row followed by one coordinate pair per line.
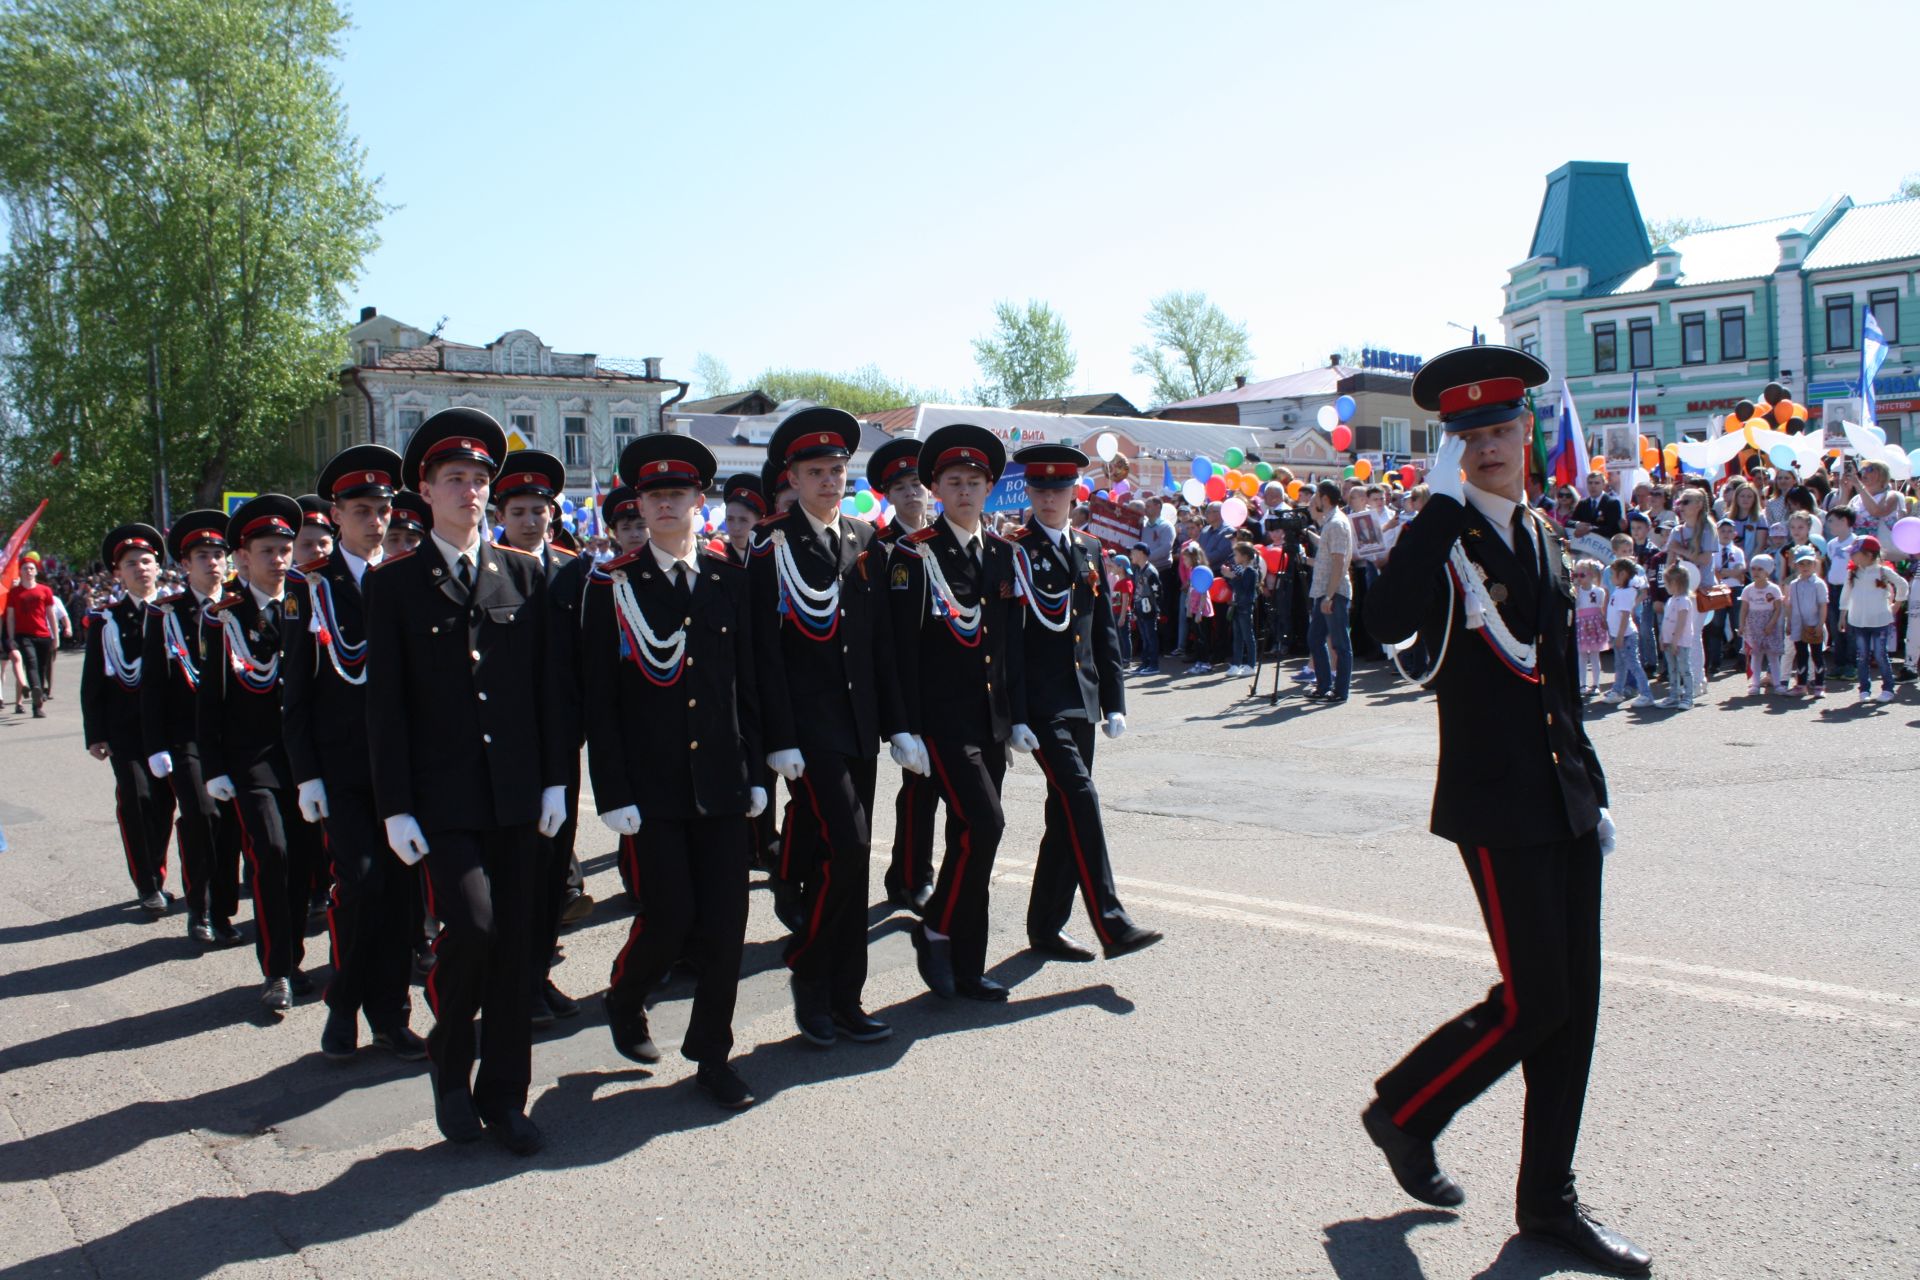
x,y
1202,468
847,507
566,506
1782,456
1344,406
1202,578
861,484
1102,495
1913,460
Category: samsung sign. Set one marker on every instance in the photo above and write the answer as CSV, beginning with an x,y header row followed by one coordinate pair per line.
x,y
1391,361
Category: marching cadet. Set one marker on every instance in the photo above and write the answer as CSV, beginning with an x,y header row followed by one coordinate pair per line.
x,y
673,732
408,524
1072,664
826,659
240,731
777,485
466,769
315,539
306,845
176,654
746,507
525,497
110,684
893,472
324,700
1519,790
960,661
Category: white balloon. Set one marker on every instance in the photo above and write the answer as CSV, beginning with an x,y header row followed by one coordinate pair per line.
x,y
1234,512
1106,446
1194,492
1328,417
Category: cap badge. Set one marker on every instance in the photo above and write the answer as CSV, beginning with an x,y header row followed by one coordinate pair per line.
x,y
1473,392
659,466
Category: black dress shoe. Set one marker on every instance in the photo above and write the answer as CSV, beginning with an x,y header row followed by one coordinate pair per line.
x,y
935,959
198,930
981,988
401,1042
559,1002
630,1038
855,1024
1575,1229
301,984
275,997
1411,1159
341,1036
225,934
1060,947
154,904
1134,939
724,1085
516,1133
812,1011
578,907
453,1111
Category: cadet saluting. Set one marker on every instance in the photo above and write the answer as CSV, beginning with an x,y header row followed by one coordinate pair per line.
x,y
1485,582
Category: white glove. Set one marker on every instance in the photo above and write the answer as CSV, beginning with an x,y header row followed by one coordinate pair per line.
x,y
220,788
1443,477
1023,739
1116,725
626,822
160,764
313,800
553,810
756,801
405,838
789,764
909,753
1606,832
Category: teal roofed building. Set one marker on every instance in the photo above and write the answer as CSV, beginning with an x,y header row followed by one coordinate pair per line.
x,y
1711,318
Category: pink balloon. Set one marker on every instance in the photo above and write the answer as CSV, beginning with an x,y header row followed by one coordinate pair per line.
x,y
1906,535
1234,512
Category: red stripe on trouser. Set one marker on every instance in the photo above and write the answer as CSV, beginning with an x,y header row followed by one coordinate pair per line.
x,y
826,878
630,846
786,836
966,841
1079,854
1510,1010
259,912
433,972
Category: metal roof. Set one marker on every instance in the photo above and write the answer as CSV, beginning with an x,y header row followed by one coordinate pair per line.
x,y
1308,382
1589,218
1747,252
1880,232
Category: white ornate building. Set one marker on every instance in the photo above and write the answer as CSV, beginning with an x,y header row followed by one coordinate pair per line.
x,y
577,405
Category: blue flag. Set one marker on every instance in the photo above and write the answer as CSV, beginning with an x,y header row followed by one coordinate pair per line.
x,y
1873,354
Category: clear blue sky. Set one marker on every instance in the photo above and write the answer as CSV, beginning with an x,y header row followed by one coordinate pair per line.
x,y
836,185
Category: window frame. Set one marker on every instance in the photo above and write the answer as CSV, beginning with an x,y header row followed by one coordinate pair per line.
x,y
1736,316
1694,321
402,432
1400,443
1611,331
1840,302
1635,328
1891,298
567,437
527,423
621,439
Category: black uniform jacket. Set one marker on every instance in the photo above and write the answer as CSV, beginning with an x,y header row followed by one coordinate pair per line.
x,y
952,688
566,595
326,715
1516,766
459,691
840,694
109,710
685,749
239,727
1076,671
168,714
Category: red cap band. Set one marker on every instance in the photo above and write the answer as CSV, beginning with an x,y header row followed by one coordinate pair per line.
x,y
524,480
1052,470
121,546
199,536
624,507
458,444
266,524
972,457
1481,395
900,466
748,498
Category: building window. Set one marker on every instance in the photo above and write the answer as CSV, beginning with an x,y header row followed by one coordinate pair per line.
x,y
1840,323
1640,344
523,423
369,354
1531,345
1395,435
574,441
1693,338
1733,335
624,430
346,431
1433,434
1885,305
1606,348
410,420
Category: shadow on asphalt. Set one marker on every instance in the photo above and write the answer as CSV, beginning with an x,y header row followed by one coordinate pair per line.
x,y
1377,1249
585,1127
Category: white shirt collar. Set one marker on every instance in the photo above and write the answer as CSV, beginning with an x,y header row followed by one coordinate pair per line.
x,y
1057,536
961,536
452,553
668,563
829,530
1497,509
261,598
355,565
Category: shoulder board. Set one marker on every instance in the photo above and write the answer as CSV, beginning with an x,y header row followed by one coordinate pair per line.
x,y
764,521
395,558
502,546
761,546
314,566
622,562
224,603
988,535
1016,534
555,549
922,535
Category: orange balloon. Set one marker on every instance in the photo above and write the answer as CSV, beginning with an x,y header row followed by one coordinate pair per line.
x,y
1250,484
1597,464
1362,469
1783,411
1293,491
1649,457
1233,478
1672,454
1732,422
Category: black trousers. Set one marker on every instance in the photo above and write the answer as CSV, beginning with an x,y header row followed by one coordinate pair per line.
x,y
691,879
1073,852
368,913
554,871
480,887
799,843
268,818
835,795
209,836
969,775
143,805
36,654
308,869
911,868
1541,904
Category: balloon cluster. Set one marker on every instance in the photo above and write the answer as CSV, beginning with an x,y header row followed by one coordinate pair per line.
x,y
1333,419
863,501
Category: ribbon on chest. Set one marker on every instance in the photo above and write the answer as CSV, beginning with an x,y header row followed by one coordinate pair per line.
x,y
660,659
121,670
963,620
349,660
814,611
1051,609
254,675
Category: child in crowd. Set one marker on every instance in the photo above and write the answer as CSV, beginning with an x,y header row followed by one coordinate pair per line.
x,y
1729,570
1589,622
1867,600
1807,622
1245,581
1199,607
1623,606
1840,540
1678,634
1763,620
1653,567
1146,609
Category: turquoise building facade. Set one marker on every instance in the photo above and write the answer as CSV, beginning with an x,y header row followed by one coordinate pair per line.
x,y
1711,318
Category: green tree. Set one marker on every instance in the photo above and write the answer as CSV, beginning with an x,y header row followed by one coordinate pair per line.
x,y
186,208
1666,230
1909,187
862,391
1194,350
711,374
1028,356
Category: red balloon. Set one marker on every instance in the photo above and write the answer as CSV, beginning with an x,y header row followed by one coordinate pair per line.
x,y
718,546
1409,474
1274,558
1081,492
1219,592
1216,487
1343,437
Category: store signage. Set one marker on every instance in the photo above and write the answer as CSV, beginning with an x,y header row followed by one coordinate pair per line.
x,y
1392,361
1615,412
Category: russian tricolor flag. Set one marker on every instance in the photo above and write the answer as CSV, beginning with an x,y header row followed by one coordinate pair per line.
x,y
1567,456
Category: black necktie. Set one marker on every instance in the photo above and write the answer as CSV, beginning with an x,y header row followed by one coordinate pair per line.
x,y
464,572
682,590
973,553
1523,547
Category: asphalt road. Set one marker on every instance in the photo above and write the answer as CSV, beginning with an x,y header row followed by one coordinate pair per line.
x,y
1187,1111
